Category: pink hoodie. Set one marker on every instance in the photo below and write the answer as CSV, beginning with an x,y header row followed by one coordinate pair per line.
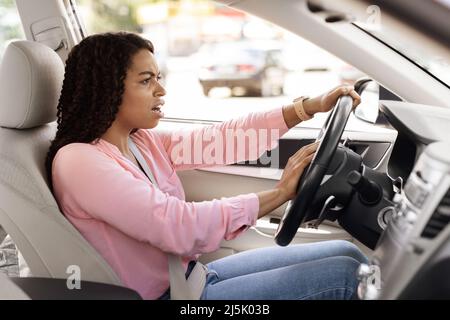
x,y
133,223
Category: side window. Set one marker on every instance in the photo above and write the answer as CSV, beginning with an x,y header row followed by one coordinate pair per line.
x,y
10,26
214,59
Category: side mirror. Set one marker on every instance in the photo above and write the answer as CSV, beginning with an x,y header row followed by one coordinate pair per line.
x,y
369,91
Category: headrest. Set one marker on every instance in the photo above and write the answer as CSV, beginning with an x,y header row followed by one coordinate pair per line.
x,y
31,77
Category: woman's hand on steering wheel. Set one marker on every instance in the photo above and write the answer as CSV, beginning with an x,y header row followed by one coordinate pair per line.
x,y
294,169
330,135
325,102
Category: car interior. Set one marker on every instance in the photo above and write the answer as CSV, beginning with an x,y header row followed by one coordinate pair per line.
x,y
380,178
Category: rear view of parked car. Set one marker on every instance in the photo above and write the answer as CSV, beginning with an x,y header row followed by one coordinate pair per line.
x,y
255,67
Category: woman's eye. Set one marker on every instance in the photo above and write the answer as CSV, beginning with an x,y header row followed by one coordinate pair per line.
x,y
147,81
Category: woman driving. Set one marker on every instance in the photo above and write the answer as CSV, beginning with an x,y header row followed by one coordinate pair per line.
x,y
134,213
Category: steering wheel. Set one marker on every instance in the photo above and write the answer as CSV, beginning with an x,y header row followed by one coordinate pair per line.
x,y
312,176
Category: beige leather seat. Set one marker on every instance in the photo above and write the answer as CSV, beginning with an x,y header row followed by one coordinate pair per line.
x,y
31,76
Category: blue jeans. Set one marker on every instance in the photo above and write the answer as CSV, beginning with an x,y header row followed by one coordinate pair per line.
x,y
322,270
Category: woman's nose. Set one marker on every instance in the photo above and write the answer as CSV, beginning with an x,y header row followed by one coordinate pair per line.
x,y
160,91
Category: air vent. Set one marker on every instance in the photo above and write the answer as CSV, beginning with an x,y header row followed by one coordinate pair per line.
x,y
439,219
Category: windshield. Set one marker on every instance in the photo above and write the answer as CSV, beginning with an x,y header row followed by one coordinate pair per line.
x,y
433,57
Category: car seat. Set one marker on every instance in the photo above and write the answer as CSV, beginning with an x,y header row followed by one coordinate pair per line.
x,y
31,76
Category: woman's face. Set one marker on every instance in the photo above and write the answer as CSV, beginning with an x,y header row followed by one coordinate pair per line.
x,y
141,100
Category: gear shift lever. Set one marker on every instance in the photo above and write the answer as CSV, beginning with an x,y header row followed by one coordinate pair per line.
x,y
370,193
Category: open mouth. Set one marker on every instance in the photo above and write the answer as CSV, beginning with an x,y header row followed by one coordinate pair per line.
x,y
157,110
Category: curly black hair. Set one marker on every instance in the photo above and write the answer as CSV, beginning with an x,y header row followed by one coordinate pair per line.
x,y
93,87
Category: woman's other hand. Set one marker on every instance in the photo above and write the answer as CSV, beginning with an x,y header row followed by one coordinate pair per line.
x,y
294,169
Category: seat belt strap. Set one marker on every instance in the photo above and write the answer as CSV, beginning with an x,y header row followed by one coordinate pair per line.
x,y
140,159
180,288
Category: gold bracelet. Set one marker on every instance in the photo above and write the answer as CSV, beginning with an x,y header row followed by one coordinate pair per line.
x,y
300,110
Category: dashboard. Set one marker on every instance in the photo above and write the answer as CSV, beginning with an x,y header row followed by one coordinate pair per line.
x,y
422,123
417,126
